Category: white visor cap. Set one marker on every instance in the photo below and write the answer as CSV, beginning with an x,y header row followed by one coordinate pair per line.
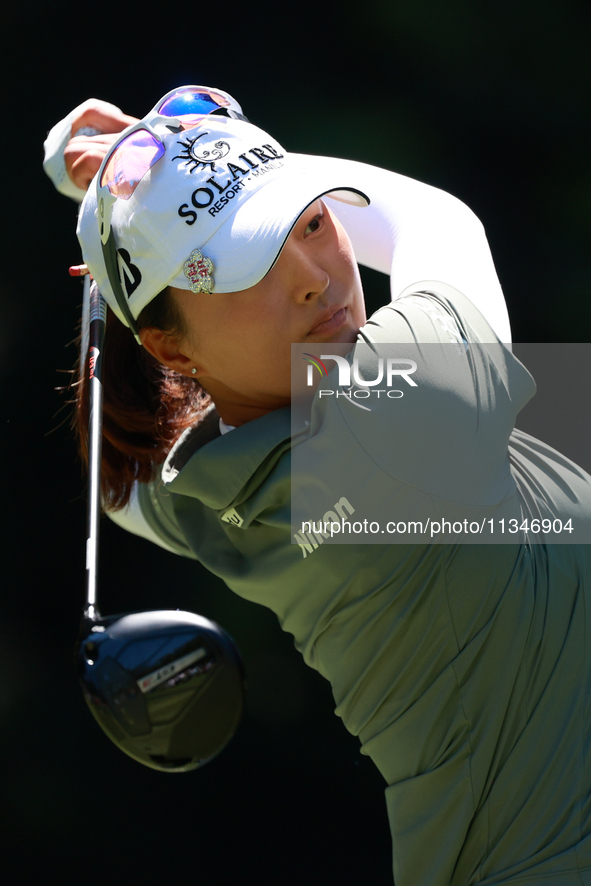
x,y
225,188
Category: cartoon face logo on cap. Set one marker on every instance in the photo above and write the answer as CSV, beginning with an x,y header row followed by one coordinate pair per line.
x,y
203,158
198,270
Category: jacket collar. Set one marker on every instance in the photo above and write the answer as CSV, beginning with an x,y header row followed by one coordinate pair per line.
x,y
215,468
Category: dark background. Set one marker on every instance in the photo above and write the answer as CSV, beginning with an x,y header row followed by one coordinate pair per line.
x,y
490,101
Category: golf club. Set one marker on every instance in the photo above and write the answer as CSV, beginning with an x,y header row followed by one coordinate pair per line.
x,y
167,686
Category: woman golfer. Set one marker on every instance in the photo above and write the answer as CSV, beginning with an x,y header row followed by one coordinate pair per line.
x,y
461,663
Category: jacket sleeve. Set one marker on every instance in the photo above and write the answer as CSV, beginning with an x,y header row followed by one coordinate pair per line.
x,y
415,232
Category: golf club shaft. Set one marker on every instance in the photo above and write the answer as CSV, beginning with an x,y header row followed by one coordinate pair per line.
x,y
95,310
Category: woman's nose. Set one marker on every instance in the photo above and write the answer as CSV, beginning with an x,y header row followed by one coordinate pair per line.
x,y
309,279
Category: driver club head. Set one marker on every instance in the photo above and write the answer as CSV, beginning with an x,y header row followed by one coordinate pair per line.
x,y
167,687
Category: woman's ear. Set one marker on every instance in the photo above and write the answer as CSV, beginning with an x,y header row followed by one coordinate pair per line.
x,y
167,350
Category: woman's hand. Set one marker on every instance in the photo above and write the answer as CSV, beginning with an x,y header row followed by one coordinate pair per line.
x,y
84,153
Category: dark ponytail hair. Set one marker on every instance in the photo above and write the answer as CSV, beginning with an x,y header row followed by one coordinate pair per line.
x,y
146,405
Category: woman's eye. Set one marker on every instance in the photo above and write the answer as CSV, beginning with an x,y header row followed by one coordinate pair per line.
x,y
314,225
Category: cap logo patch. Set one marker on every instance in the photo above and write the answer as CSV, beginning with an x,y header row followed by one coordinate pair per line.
x,y
129,274
203,158
198,270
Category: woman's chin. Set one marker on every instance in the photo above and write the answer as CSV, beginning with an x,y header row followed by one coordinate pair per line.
x,y
346,337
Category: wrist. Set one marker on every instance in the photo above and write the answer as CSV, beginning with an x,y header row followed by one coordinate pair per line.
x,y
54,145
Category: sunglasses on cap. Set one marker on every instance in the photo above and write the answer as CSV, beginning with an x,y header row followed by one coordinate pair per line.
x,y
127,162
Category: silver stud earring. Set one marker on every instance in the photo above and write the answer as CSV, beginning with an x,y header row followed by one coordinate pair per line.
x,y
193,371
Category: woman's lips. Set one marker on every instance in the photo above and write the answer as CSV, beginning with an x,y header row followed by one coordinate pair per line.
x,y
332,324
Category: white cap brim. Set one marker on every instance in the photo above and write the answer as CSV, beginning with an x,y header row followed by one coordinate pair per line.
x,y
247,245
